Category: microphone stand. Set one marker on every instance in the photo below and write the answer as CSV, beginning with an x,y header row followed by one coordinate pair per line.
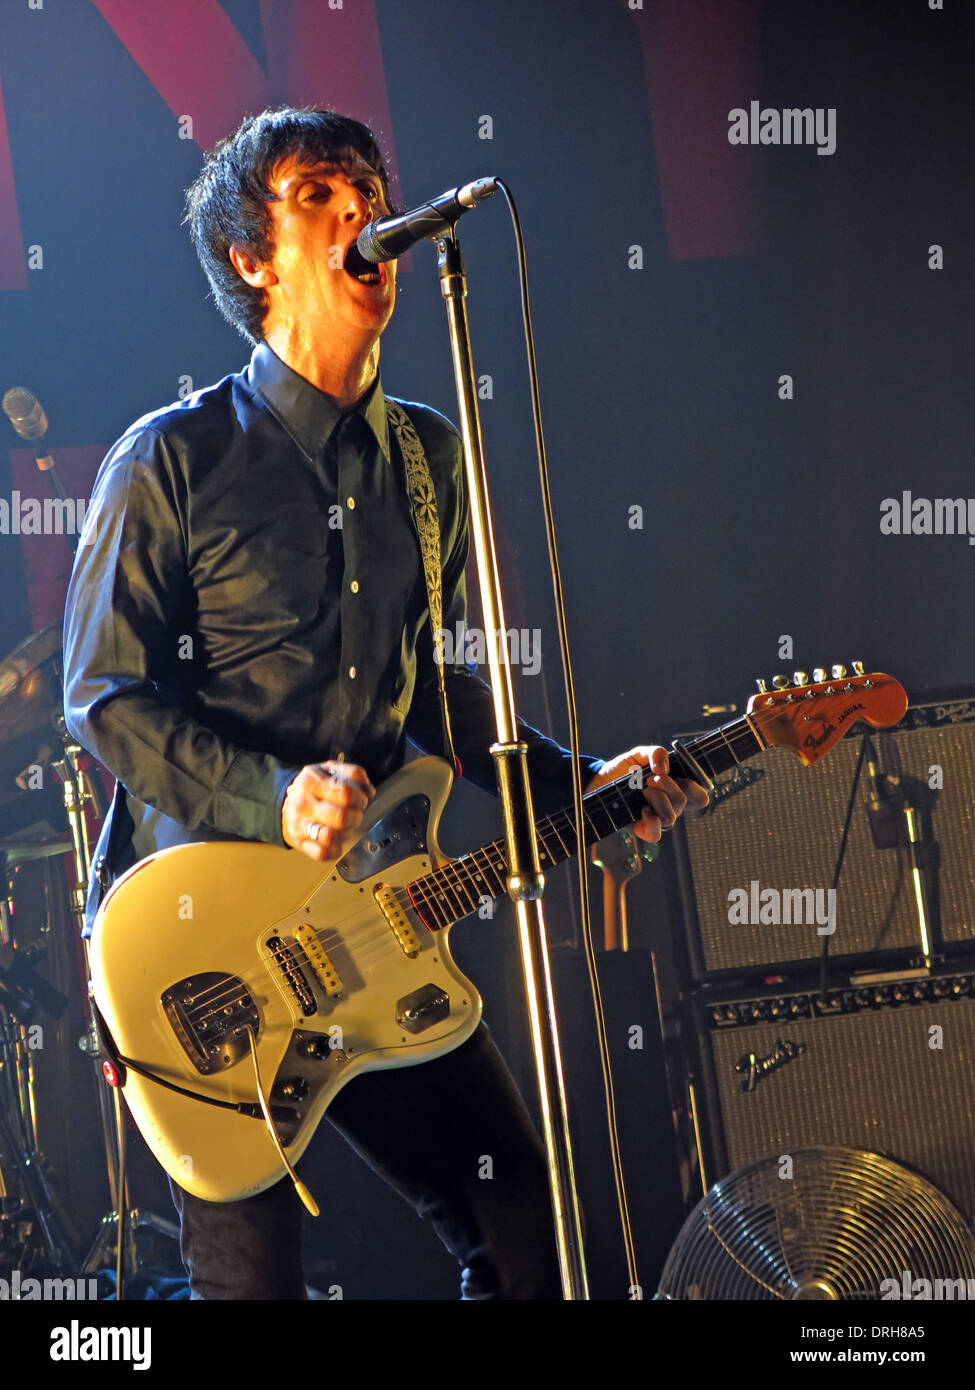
x,y
894,811
525,880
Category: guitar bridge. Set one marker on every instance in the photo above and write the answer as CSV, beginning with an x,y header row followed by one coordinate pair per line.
x,y
294,976
209,1014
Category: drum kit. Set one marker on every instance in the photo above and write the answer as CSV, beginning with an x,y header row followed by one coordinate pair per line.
x,y
62,1131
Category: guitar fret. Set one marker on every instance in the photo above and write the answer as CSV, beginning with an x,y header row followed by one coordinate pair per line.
x,y
415,890
469,889
729,745
610,802
493,879
454,891
558,835
443,877
546,856
463,867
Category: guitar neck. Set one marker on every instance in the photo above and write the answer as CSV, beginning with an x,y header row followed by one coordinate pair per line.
x,y
461,887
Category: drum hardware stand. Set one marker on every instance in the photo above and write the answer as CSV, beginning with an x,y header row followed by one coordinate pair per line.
x,y
525,880
21,1145
121,1223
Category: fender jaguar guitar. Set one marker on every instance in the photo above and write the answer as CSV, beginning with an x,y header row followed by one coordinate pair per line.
x,y
217,964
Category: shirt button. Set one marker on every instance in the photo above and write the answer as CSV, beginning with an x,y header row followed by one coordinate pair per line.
x,y
350,503
354,586
351,673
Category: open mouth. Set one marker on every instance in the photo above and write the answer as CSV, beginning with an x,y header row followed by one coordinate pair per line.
x,y
362,270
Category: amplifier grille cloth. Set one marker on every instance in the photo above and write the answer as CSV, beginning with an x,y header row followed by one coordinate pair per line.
x,y
784,832
867,1080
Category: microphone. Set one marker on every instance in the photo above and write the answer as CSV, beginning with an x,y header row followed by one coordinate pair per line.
x,y
389,237
26,414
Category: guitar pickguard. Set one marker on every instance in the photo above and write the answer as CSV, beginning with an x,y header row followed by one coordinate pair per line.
x,y
398,835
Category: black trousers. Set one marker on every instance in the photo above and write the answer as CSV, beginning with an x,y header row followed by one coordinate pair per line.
x,y
453,1137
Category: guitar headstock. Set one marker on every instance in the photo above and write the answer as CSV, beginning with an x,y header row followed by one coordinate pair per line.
x,y
811,718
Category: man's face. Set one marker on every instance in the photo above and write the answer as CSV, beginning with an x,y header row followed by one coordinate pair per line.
x,y
319,213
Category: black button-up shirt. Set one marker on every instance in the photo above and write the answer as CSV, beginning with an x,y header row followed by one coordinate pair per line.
x,y
248,597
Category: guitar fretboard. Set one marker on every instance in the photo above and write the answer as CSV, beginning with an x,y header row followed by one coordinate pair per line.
x,y
461,887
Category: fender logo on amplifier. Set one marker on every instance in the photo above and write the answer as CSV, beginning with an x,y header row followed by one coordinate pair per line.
x,y
752,1069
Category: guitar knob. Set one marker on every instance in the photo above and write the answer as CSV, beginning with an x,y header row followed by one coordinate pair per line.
x,y
818,675
799,678
781,682
762,687
858,668
839,672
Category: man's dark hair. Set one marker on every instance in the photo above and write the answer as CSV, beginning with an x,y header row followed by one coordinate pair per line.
x,y
227,203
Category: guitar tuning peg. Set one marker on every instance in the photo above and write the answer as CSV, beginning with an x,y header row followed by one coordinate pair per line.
x,y
762,687
819,674
858,668
799,678
781,682
839,672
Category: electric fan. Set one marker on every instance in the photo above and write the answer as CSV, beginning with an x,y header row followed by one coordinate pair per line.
x,y
823,1223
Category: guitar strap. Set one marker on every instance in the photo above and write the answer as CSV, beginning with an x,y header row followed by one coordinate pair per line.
x,y
423,502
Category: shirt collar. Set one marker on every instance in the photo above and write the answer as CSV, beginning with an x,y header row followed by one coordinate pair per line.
x,y
306,413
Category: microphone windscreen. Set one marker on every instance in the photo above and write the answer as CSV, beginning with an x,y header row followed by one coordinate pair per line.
x,y
25,413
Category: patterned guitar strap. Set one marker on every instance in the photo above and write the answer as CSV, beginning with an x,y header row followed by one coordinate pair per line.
x,y
423,502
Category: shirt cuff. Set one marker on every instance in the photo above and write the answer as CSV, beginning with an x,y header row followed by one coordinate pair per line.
x,y
249,801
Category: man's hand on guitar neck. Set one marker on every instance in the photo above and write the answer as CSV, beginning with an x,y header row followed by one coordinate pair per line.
x,y
666,798
323,808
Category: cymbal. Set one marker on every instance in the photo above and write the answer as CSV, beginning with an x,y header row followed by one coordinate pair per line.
x,y
33,652
30,687
20,854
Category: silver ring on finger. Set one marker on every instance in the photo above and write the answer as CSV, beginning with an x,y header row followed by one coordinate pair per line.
x,y
314,830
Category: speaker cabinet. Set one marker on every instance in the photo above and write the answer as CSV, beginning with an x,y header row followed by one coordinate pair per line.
x,y
775,824
888,1067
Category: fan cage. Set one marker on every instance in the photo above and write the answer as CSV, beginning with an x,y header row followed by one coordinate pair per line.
x,y
823,1223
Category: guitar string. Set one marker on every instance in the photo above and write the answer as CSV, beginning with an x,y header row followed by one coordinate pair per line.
x,y
222,994
225,993
436,899
444,882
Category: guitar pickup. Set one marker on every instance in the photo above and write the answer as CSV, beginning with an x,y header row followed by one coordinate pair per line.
x,y
307,939
397,920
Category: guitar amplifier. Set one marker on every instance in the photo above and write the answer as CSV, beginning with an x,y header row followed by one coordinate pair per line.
x,y
888,1068
777,825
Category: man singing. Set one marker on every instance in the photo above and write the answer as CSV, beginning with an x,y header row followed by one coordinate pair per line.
x,y
248,646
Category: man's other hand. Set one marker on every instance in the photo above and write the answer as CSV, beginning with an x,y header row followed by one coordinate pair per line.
x,y
666,798
323,808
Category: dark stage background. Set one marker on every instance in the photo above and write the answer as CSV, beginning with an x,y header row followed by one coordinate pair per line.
x,y
676,280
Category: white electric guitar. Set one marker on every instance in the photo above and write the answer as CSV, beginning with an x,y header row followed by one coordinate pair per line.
x,y
210,962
